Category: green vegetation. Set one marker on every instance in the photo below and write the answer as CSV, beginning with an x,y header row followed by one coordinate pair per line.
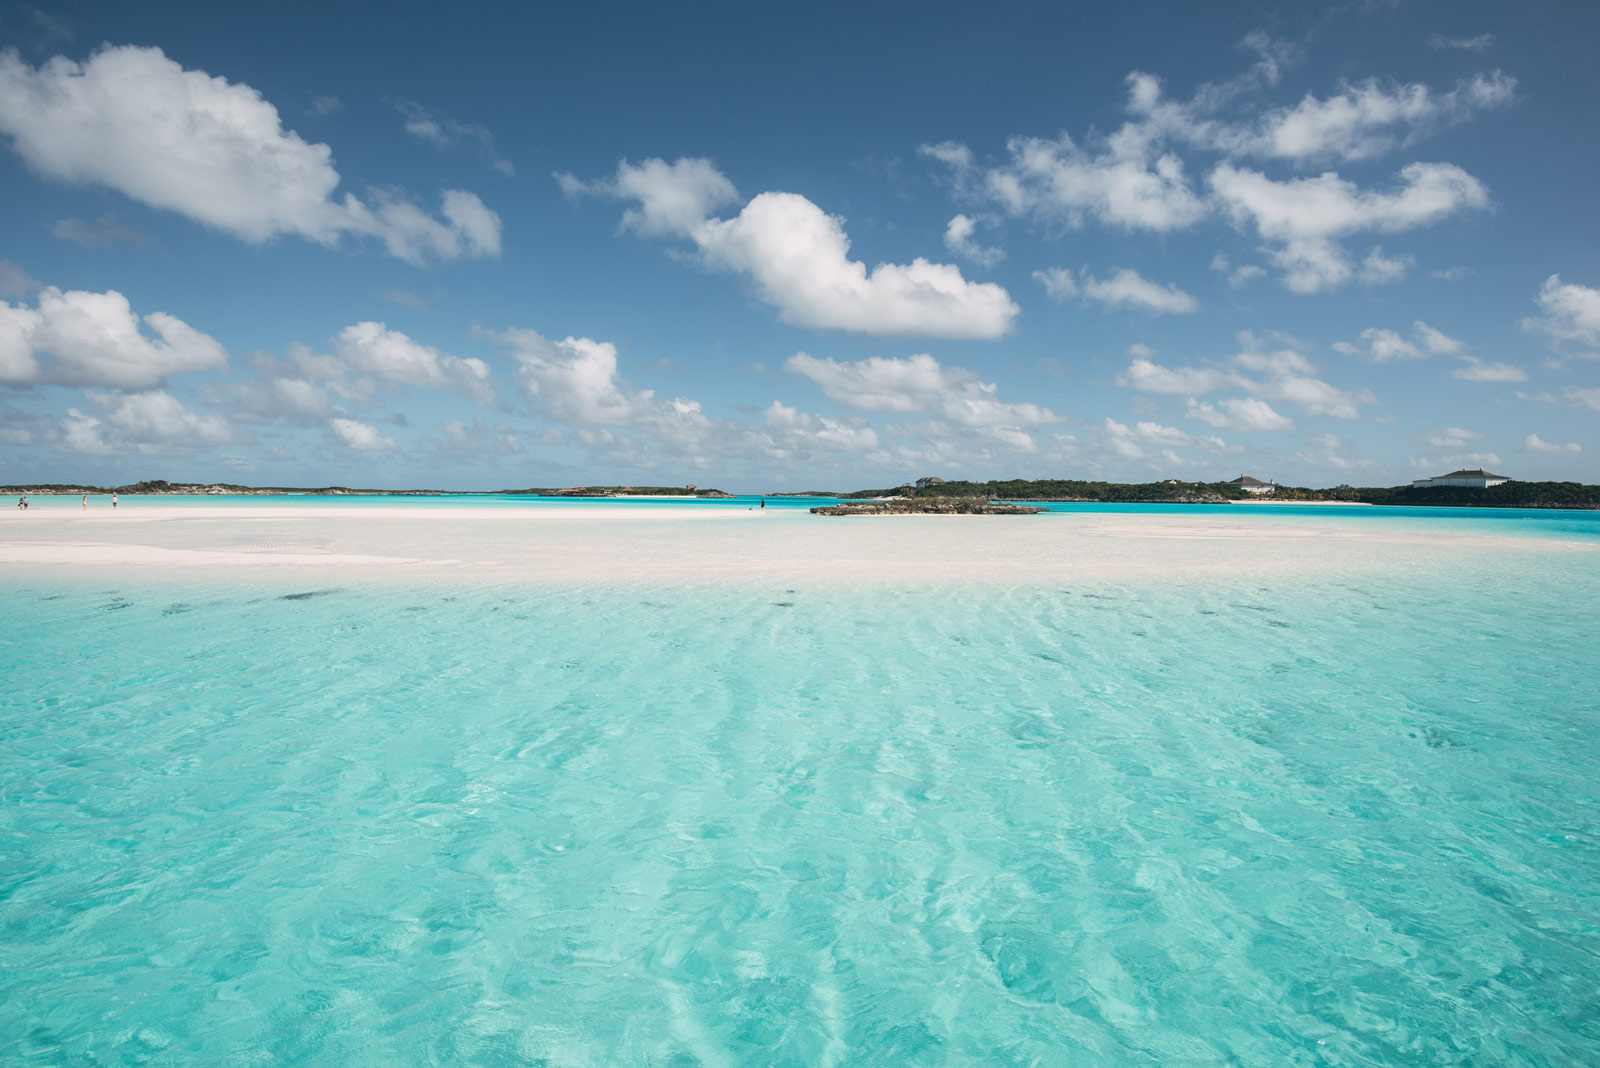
x,y
625,491
1506,495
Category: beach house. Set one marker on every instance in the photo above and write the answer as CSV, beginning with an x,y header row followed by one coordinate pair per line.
x,y
929,480
1477,478
1252,485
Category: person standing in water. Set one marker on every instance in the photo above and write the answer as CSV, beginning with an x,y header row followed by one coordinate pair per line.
x,y
763,504
113,500
86,500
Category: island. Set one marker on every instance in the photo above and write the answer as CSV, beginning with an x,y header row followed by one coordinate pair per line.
x,y
927,506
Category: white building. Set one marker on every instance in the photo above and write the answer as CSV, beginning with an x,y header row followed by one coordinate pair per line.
x,y
930,480
1475,479
1251,485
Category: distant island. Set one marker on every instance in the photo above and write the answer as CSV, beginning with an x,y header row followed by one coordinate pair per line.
x,y
927,506
1511,494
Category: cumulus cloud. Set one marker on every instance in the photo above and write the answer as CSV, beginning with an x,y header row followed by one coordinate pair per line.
x,y
575,379
77,338
132,120
149,422
1381,345
1239,413
1136,442
796,432
1571,312
371,348
14,281
1281,374
1303,219
1368,119
359,436
958,238
797,256
1059,283
1386,346
1128,289
917,384
1534,443
1120,183
1147,376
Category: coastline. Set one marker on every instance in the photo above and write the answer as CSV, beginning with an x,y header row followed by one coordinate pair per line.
x,y
608,543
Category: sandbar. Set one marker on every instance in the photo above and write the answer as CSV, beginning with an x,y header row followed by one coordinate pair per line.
x,y
625,543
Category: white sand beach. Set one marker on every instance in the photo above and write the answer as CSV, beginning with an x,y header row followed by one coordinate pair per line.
x,y
621,543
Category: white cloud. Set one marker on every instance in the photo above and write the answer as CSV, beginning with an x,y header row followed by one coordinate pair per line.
x,y
360,436
1533,443
1303,219
1380,270
370,348
1126,288
132,120
1382,346
917,384
1589,398
94,339
1436,341
797,256
1058,282
1288,378
14,281
1476,370
1241,413
139,423
1283,375
1571,312
1451,437
1481,43
575,379
674,198
1134,442
444,133
959,240
1123,183
1331,451
1366,120
1146,376
796,432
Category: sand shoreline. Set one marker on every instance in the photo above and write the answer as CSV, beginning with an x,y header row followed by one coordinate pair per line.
x,y
607,543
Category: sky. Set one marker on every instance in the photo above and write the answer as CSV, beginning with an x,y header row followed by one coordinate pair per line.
x,y
780,247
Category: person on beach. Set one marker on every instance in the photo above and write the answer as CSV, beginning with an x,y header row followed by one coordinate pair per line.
x,y
113,500
763,504
86,500
22,502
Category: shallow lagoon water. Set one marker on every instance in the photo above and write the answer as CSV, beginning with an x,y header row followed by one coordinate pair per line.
x,y
1342,819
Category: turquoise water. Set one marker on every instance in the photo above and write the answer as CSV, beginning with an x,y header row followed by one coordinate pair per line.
x,y
1306,821
1520,522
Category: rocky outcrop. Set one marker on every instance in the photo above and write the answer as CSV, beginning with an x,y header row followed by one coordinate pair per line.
x,y
927,506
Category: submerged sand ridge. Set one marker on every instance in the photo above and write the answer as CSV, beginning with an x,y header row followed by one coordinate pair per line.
x,y
612,543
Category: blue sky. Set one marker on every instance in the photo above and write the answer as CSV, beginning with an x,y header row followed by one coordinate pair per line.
x,y
771,247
